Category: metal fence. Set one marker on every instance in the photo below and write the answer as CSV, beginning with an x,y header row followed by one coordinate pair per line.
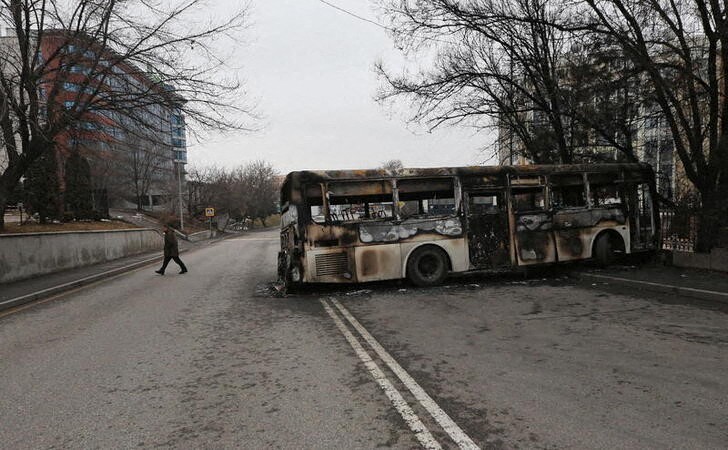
x,y
679,228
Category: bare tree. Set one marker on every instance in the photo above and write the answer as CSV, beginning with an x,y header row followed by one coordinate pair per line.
x,y
245,191
113,44
259,180
555,92
496,64
140,166
392,164
200,194
681,48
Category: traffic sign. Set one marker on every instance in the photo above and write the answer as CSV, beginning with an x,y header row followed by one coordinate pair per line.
x,y
209,212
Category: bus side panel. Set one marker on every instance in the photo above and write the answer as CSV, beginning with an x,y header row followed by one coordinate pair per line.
x,y
575,230
623,231
456,249
534,240
378,262
329,265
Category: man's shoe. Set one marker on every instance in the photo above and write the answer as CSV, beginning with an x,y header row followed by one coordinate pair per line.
x,y
182,271
159,272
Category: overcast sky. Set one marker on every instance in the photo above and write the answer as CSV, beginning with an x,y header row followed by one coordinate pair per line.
x,y
309,68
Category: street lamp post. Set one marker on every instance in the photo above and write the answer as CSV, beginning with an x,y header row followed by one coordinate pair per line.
x,y
181,207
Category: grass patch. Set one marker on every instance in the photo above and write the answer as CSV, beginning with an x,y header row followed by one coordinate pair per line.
x,y
273,220
16,228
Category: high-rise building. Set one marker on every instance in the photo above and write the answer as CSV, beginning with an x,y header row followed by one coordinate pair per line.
x,y
125,121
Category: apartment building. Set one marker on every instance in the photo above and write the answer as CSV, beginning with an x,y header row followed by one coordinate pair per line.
x,y
127,123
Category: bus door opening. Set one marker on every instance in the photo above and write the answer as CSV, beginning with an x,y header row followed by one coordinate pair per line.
x,y
487,222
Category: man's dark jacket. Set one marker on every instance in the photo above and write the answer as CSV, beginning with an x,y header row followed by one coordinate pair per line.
x,y
170,244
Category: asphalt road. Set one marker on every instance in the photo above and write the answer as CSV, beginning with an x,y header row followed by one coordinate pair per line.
x,y
212,359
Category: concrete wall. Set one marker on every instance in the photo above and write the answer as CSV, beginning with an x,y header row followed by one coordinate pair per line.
x,y
202,235
32,254
717,260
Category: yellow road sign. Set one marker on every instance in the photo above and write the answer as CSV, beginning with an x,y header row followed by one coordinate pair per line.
x,y
209,212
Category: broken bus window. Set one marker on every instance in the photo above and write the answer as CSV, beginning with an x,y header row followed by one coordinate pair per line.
x,y
360,200
426,197
485,203
568,191
528,198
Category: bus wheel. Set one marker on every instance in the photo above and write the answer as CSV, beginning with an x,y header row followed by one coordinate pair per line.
x,y
604,250
427,266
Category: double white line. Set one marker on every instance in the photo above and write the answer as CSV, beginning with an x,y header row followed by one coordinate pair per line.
x,y
409,416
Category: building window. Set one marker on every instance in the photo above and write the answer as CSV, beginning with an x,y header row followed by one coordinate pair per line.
x,y
80,69
180,156
91,126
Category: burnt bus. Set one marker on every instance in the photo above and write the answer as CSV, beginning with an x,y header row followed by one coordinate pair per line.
x,y
352,226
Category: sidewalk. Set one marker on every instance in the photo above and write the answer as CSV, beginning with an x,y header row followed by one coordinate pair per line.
x,y
25,291
701,284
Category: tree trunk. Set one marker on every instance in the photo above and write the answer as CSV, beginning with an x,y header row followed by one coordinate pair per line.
x,y
710,219
3,202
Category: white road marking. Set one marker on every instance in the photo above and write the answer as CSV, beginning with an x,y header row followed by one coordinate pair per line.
x,y
440,416
410,417
719,294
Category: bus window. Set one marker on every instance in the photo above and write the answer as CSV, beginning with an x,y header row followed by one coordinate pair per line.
x,y
528,199
360,200
485,204
568,191
605,190
605,195
426,197
315,202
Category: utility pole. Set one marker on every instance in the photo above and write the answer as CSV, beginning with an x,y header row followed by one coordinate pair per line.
x,y
181,207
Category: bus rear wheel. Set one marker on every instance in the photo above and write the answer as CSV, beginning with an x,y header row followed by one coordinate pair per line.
x,y
604,250
427,266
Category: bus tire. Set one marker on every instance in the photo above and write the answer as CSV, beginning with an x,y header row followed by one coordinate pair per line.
x,y
604,251
427,266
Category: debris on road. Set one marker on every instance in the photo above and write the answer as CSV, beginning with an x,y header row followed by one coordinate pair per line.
x,y
359,292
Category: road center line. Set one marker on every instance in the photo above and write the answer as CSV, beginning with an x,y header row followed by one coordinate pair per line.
x,y
410,417
440,416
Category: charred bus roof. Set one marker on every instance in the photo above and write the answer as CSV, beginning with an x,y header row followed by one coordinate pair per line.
x,y
298,178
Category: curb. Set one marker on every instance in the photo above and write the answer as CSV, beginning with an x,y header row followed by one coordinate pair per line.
x,y
702,294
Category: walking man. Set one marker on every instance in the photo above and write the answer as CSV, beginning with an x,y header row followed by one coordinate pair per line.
x,y
171,251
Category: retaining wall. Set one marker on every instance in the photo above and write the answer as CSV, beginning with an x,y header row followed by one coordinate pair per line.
x,y
32,254
717,260
202,235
